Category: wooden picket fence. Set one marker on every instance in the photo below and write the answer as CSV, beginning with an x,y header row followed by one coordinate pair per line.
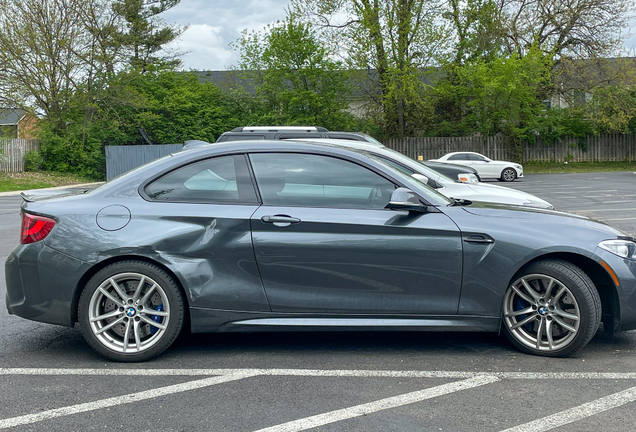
x,y
12,153
602,148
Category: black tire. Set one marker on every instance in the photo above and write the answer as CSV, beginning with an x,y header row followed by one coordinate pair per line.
x,y
552,312
151,311
508,175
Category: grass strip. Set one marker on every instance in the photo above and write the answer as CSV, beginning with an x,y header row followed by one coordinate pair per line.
x,y
37,180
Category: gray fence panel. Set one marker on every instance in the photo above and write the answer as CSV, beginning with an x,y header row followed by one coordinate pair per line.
x,y
12,153
600,148
121,159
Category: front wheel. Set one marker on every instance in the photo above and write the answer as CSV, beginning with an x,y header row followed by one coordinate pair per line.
x,y
131,311
552,309
508,175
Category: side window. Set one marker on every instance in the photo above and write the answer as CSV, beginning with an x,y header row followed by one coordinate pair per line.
x,y
461,156
475,157
293,179
217,180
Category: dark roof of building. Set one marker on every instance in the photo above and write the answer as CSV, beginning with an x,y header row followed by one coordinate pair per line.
x,y
11,116
363,83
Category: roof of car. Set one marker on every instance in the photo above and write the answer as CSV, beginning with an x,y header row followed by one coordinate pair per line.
x,y
247,129
463,152
341,142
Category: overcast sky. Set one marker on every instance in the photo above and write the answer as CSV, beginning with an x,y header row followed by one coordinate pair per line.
x,y
216,23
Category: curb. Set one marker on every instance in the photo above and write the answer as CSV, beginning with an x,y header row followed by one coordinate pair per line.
x,y
72,186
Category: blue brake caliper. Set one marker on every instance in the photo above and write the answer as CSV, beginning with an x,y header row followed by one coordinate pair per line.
x,y
157,319
519,305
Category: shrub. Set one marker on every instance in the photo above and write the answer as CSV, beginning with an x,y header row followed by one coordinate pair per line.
x,y
33,161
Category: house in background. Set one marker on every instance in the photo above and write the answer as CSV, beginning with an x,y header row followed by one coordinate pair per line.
x,y
17,123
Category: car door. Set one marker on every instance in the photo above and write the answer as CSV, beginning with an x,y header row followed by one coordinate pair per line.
x,y
483,167
461,159
325,243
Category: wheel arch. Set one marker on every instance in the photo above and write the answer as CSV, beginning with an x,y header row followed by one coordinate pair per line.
x,y
602,281
100,265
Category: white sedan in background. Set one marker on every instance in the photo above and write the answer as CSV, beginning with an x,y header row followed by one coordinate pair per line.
x,y
487,168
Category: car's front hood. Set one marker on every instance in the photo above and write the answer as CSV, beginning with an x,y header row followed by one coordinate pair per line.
x,y
491,194
499,194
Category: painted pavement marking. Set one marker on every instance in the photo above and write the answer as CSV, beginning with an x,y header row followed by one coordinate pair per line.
x,y
219,376
119,400
577,413
379,405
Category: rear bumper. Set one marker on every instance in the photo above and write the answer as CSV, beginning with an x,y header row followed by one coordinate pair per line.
x,y
41,284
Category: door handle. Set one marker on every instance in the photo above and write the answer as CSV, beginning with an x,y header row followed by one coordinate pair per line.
x,y
479,239
280,220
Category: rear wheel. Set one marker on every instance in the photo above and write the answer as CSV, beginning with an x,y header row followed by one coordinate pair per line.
x,y
508,175
131,311
551,309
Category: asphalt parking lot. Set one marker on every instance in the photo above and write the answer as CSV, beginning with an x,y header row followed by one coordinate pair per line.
x,y
382,381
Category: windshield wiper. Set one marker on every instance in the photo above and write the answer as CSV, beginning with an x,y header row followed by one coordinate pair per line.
x,y
460,202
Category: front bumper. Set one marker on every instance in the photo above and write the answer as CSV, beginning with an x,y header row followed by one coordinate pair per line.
x,y
625,271
41,284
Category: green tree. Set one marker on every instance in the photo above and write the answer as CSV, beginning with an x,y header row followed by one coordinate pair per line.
x,y
396,39
145,35
171,107
502,96
39,45
297,81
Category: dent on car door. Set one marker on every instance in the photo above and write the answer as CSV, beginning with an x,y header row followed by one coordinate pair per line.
x,y
324,241
198,222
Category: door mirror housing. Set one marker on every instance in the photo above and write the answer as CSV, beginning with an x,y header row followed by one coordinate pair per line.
x,y
420,177
405,199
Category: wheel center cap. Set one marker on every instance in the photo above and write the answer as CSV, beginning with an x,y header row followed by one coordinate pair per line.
x,y
543,310
131,312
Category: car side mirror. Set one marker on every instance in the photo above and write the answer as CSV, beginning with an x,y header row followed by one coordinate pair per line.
x,y
420,177
405,199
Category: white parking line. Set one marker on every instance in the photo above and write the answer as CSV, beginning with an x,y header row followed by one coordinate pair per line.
x,y
605,210
577,413
382,404
322,373
619,219
119,400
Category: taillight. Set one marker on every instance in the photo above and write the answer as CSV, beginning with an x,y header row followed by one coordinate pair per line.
x,y
35,228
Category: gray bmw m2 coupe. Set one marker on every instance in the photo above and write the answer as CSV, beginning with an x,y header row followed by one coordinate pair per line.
x,y
264,236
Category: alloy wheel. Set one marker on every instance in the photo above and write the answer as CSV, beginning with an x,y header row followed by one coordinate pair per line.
x,y
129,313
541,313
509,174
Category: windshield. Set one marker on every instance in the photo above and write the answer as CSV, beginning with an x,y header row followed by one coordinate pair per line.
x,y
369,138
430,194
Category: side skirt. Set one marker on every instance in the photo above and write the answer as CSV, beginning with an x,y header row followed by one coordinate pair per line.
x,y
214,320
